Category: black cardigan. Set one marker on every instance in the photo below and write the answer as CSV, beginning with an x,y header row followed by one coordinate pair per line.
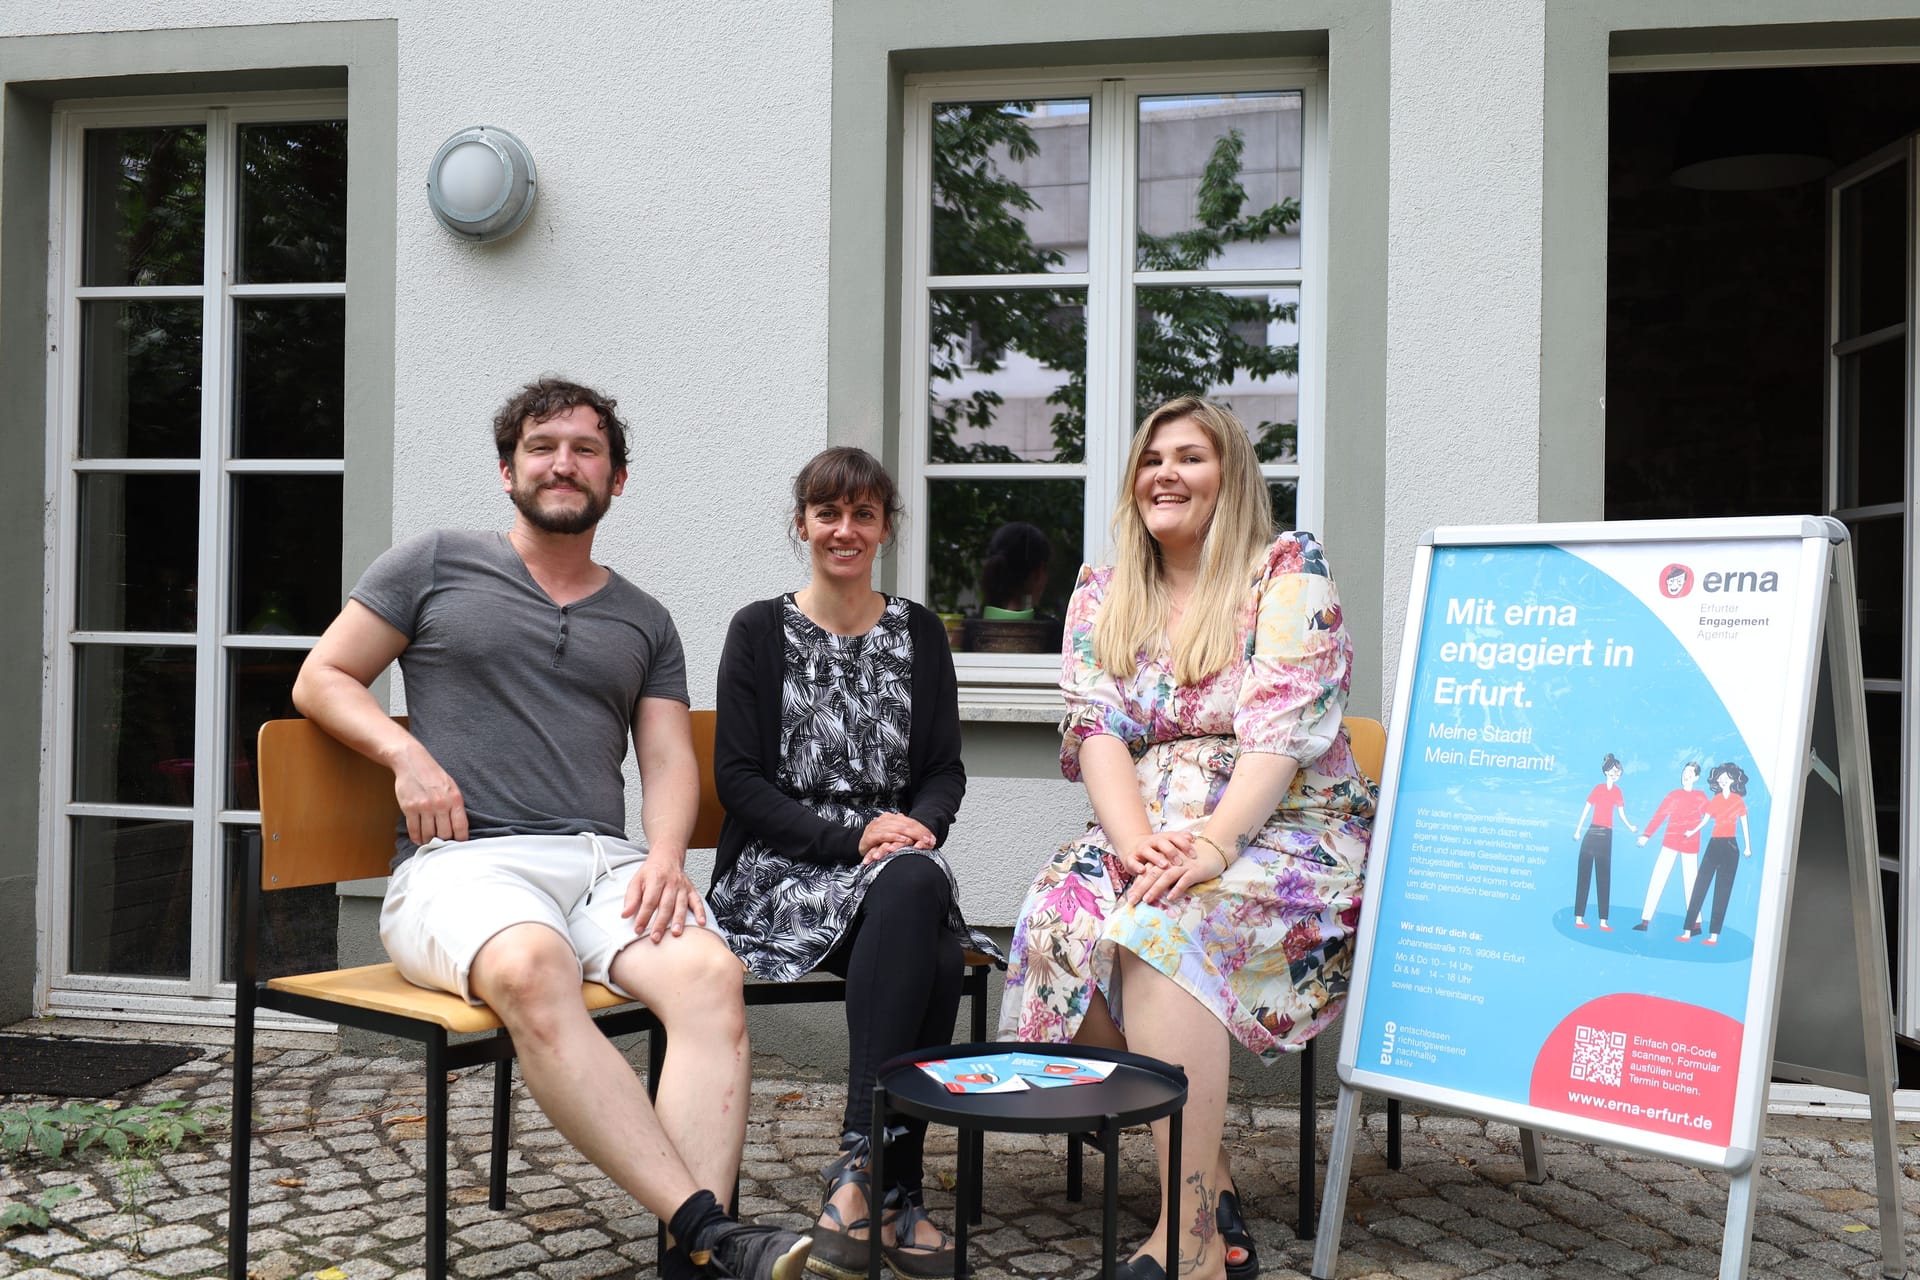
x,y
746,743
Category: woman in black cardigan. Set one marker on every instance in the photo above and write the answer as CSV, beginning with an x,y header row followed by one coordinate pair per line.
x,y
837,758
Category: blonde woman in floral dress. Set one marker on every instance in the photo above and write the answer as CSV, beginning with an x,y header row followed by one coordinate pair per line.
x,y
1216,895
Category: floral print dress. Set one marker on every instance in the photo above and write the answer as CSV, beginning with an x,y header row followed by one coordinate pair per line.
x,y
1268,947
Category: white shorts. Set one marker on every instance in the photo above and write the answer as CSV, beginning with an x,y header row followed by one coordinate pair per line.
x,y
446,901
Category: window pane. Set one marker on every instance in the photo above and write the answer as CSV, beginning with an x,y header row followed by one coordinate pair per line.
x,y
133,724
1007,376
1879,566
1009,187
1219,182
1885,761
132,897
290,378
979,555
293,202
259,688
145,202
1873,252
140,379
286,554
1285,496
299,928
139,564
1873,425
1237,346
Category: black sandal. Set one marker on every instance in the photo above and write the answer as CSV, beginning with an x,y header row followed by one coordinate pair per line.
x,y
907,1260
835,1251
1242,1262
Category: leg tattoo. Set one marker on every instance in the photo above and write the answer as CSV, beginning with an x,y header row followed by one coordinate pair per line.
x,y
1205,1224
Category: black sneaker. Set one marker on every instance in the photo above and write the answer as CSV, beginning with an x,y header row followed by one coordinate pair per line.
x,y
752,1252
676,1265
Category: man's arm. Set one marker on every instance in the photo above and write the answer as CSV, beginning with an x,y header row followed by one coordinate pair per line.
x,y
660,896
332,692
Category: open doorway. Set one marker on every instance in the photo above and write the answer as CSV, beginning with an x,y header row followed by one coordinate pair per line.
x,y
1760,323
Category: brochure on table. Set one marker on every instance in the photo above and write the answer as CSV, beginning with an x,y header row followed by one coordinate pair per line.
x,y
1599,743
1013,1072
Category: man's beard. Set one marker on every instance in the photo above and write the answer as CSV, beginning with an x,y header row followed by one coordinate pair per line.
x,y
576,520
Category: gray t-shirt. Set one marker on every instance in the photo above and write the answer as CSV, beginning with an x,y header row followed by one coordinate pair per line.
x,y
526,704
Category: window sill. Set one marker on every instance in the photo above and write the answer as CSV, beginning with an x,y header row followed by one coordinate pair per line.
x,y
1007,703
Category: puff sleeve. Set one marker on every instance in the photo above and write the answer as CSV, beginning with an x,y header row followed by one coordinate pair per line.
x,y
1095,702
1295,688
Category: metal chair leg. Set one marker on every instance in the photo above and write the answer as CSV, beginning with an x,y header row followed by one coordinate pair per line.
x,y
502,1132
436,1157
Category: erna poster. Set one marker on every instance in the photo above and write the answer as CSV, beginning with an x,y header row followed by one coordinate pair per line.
x,y
1570,911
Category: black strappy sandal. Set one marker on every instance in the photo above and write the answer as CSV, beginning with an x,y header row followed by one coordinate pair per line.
x,y
836,1253
1242,1262
907,1260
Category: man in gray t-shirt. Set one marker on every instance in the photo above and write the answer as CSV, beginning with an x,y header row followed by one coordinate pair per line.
x,y
528,667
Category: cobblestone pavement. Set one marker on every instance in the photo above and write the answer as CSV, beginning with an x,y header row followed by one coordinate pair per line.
x,y
336,1192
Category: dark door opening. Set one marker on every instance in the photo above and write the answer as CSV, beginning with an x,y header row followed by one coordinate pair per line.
x,y
1755,365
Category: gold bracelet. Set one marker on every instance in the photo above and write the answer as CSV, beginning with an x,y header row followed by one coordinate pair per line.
x,y
1225,861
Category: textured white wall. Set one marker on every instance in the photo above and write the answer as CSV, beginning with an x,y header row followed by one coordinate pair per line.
x,y
1463,269
677,257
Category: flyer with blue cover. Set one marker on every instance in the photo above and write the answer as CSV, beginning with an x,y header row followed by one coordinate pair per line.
x,y
1013,1072
1569,908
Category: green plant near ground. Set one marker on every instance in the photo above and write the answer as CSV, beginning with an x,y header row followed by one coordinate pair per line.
x,y
49,1132
131,1135
134,1171
32,1214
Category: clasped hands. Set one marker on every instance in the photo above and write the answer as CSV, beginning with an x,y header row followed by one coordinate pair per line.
x,y
889,833
1165,864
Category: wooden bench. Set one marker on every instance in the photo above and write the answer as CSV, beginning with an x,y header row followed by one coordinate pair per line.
x,y
328,814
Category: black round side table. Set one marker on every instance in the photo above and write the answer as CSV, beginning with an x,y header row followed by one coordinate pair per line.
x,y
1139,1090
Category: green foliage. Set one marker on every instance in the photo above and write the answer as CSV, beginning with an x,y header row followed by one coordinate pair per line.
x,y
1187,339
33,1214
47,1132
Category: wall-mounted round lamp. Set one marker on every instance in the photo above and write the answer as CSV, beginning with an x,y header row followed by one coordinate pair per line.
x,y
480,184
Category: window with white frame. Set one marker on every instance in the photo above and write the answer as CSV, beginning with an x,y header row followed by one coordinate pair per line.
x,y
199,308
1077,252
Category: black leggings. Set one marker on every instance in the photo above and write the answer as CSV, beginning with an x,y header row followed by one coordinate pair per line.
x,y
902,966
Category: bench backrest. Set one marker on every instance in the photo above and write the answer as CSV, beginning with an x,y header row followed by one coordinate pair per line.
x,y
1368,739
327,813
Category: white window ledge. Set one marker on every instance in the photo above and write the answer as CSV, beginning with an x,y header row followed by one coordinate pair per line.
x,y
1010,703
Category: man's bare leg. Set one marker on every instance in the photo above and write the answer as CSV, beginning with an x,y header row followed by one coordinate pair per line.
x,y
704,1092
529,976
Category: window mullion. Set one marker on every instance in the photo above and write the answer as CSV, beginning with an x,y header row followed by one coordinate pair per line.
x,y
1110,303
916,231
209,751
1310,416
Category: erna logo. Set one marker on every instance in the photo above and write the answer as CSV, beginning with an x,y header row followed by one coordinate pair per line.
x,y
1386,1044
1676,580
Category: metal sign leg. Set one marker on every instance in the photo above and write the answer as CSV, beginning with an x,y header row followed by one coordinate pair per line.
x,y
1333,1203
1738,1236
1887,1181
1534,1156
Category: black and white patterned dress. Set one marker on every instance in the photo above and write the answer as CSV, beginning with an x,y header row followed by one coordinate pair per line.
x,y
846,708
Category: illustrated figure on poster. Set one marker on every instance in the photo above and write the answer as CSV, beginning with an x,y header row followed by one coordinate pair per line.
x,y
1596,842
1727,812
1680,810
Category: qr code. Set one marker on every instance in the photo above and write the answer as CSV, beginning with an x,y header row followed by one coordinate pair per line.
x,y
1598,1056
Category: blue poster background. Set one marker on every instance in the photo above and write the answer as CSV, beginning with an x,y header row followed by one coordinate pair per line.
x,y
1502,971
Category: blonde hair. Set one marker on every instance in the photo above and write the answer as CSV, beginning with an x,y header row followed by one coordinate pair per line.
x,y
1134,618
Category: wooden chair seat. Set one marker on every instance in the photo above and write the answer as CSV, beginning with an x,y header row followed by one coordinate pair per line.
x,y
327,814
380,987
